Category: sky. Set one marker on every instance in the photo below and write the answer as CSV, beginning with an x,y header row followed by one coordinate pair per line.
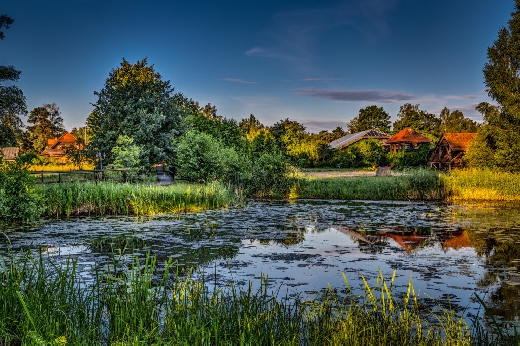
x,y
316,62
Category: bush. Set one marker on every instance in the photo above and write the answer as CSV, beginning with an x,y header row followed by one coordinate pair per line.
x,y
18,199
201,158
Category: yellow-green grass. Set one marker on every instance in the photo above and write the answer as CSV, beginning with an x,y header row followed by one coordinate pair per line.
x,y
65,166
42,303
108,198
483,185
419,184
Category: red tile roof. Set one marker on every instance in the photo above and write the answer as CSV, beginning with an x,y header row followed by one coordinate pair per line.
x,y
407,135
459,141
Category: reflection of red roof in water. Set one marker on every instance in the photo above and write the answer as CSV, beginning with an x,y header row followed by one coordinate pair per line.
x,y
407,242
459,241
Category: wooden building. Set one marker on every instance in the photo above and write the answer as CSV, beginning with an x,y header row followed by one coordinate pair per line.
x,y
56,147
450,149
9,153
352,138
407,139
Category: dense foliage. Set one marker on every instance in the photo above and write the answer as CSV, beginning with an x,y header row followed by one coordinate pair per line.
x,y
46,123
498,142
371,117
12,99
137,103
18,199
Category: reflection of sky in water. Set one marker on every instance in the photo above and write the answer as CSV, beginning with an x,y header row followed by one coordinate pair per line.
x,y
302,246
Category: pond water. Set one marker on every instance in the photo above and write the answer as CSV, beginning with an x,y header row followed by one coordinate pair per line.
x,y
449,252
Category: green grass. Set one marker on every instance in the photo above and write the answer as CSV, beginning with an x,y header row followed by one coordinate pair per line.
x,y
42,303
419,184
482,185
67,199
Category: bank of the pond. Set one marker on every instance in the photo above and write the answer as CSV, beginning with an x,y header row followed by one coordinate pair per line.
x,y
457,186
49,304
420,184
89,198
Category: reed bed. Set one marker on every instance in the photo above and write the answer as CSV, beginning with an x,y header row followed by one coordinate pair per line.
x,y
482,185
418,184
89,198
44,303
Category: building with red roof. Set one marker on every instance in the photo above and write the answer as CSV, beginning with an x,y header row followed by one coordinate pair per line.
x,y
407,139
450,149
56,147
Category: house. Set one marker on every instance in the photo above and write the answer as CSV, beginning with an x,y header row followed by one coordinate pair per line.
x,y
9,153
56,147
352,138
406,139
450,149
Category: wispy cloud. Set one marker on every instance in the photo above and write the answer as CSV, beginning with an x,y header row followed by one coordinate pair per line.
x,y
236,80
461,97
383,96
319,79
315,126
295,35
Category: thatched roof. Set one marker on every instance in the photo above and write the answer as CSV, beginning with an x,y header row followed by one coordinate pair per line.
x,y
407,135
10,153
354,137
459,141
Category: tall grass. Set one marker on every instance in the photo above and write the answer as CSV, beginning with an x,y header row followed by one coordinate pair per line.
x,y
482,185
89,198
43,303
418,184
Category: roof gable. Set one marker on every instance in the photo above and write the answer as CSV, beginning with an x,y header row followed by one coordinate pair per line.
x,y
459,141
65,138
354,137
10,153
408,135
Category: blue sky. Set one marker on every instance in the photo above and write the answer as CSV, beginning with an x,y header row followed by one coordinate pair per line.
x,y
317,62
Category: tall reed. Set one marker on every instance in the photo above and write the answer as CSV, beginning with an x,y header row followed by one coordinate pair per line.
x,y
482,185
64,200
45,303
418,184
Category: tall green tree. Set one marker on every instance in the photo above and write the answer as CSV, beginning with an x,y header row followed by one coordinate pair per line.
x,y
420,120
498,142
12,100
371,117
47,123
137,103
456,122
251,127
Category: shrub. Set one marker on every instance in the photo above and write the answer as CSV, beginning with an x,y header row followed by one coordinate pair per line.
x,y
18,199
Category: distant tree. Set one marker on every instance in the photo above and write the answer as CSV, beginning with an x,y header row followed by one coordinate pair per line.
x,y
371,117
47,123
455,122
251,127
421,121
498,142
222,129
136,102
12,100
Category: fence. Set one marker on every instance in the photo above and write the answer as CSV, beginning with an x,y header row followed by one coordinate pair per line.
x,y
53,177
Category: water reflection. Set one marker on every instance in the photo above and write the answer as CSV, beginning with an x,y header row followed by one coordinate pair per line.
x,y
449,251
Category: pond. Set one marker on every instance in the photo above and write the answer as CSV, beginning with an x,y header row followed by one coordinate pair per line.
x,y
449,252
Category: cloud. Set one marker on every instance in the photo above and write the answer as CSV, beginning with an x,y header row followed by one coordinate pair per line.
x,y
461,97
316,126
236,80
294,36
319,79
357,95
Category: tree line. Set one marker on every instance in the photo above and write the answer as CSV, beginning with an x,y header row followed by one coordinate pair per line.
x,y
139,120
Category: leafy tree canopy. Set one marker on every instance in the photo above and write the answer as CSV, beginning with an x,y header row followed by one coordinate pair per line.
x,y
371,117
456,122
421,121
137,103
251,127
47,123
498,142
12,100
